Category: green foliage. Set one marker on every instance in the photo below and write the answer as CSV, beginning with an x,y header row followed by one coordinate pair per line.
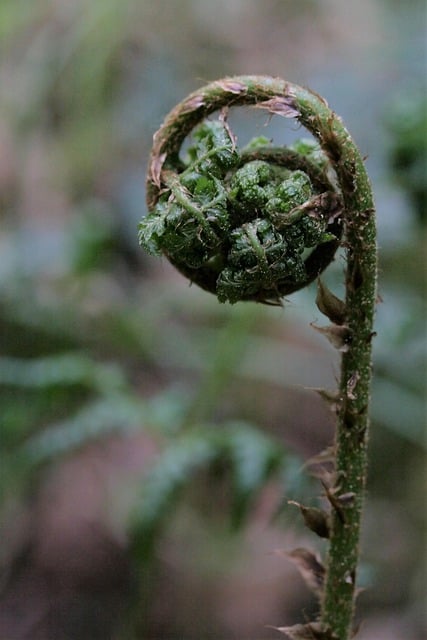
x,y
106,405
258,257
54,405
251,186
238,448
407,124
214,151
74,77
251,229
239,452
59,370
104,416
310,149
255,458
262,209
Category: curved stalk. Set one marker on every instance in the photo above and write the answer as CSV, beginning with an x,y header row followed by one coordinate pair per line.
x,y
354,202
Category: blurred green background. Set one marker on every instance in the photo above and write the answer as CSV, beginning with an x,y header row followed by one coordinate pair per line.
x,y
150,437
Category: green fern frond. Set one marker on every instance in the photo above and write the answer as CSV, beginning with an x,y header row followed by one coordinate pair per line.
x,y
172,471
102,417
64,369
254,458
250,456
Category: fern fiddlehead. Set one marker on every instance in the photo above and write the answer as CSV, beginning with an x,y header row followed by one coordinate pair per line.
x,y
238,222
261,222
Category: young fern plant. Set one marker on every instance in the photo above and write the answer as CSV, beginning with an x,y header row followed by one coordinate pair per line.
x,y
259,223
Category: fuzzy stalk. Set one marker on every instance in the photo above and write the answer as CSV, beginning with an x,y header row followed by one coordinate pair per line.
x,y
356,366
277,96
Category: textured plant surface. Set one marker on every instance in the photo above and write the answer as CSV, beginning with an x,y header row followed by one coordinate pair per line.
x,y
239,222
259,223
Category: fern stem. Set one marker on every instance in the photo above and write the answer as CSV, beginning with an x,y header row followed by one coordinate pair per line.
x,y
277,96
353,418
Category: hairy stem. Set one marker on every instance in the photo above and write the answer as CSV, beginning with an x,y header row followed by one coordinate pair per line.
x,y
353,418
279,97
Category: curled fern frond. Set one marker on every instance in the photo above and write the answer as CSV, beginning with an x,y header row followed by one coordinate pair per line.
x,y
255,223
261,222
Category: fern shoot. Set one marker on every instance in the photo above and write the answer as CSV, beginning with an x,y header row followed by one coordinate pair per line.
x,y
261,222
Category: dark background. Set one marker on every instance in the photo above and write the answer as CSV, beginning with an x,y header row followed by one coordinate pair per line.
x,y
106,352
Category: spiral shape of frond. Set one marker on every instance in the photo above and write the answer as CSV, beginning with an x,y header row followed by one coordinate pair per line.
x,y
256,223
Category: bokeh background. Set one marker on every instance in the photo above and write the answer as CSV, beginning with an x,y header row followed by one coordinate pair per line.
x,y
150,437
